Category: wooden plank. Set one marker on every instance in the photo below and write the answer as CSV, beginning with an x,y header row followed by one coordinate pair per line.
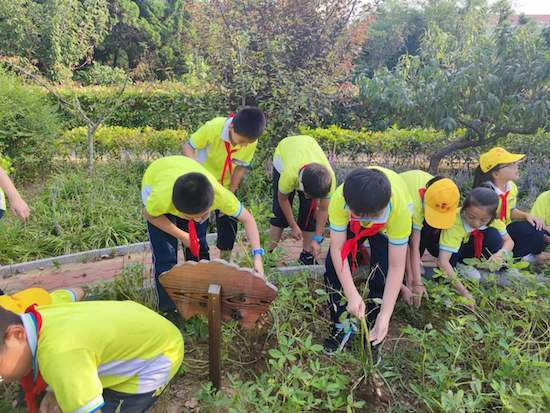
x,y
214,334
245,295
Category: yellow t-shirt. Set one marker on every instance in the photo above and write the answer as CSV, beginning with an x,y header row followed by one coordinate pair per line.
x,y
511,200
17,303
209,144
541,207
291,154
397,217
451,239
158,183
89,346
415,180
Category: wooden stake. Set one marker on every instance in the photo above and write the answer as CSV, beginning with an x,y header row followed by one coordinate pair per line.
x,y
214,333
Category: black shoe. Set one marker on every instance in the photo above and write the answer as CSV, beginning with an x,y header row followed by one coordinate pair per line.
x,y
339,339
307,258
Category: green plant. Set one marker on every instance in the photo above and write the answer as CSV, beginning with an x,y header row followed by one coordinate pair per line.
x,y
28,126
73,212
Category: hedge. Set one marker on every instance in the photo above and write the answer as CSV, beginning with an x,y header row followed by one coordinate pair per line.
x,y
159,106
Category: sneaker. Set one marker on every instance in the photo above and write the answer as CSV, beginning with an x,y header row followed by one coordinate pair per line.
x,y
469,271
307,258
339,339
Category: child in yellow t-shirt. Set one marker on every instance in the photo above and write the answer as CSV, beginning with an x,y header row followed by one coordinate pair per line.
x,y
541,209
498,169
225,147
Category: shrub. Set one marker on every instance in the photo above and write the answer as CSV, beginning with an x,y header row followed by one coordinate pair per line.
x,y
98,74
28,125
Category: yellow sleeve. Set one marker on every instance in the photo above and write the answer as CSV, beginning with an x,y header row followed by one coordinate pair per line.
x,y
398,227
204,135
245,155
74,379
158,203
338,214
226,202
541,207
63,296
288,181
451,239
418,214
500,226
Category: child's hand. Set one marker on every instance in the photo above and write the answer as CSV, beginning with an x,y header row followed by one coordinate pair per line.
x,y
20,208
537,222
315,249
259,265
49,404
406,294
418,291
380,330
497,257
296,233
356,306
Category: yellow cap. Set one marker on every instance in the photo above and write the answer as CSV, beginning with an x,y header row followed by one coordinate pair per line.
x,y
497,156
19,302
440,204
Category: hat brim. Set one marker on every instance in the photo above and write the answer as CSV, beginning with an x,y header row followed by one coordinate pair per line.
x,y
440,220
513,157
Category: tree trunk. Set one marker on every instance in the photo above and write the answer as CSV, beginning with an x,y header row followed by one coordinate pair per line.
x,y
90,139
437,156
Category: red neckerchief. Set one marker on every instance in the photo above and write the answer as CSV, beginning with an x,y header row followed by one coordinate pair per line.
x,y
350,246
503,206
194,245
313,205
422,192
228,164
31,387
478,242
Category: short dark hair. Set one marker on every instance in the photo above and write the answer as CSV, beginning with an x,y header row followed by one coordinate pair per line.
x,y
193,193
367,191
317,180
482,197
7,318
481,177
249,122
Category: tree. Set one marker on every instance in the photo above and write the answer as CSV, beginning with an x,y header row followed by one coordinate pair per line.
x,y
286,56
490,79
72,103
397,28
58,35
146,37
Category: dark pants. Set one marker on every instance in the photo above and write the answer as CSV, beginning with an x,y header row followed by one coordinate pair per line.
x,y
279,220
127,403
2,213
226,227
377,279
165,253
527,239
429,240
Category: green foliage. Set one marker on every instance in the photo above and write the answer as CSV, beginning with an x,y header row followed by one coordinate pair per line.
x,y
490,80
146,37
28,126
276,54
73,211
158,105
59,34
495,358
98,74
116,142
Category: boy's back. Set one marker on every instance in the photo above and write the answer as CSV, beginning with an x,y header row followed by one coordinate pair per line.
x,y
86,347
